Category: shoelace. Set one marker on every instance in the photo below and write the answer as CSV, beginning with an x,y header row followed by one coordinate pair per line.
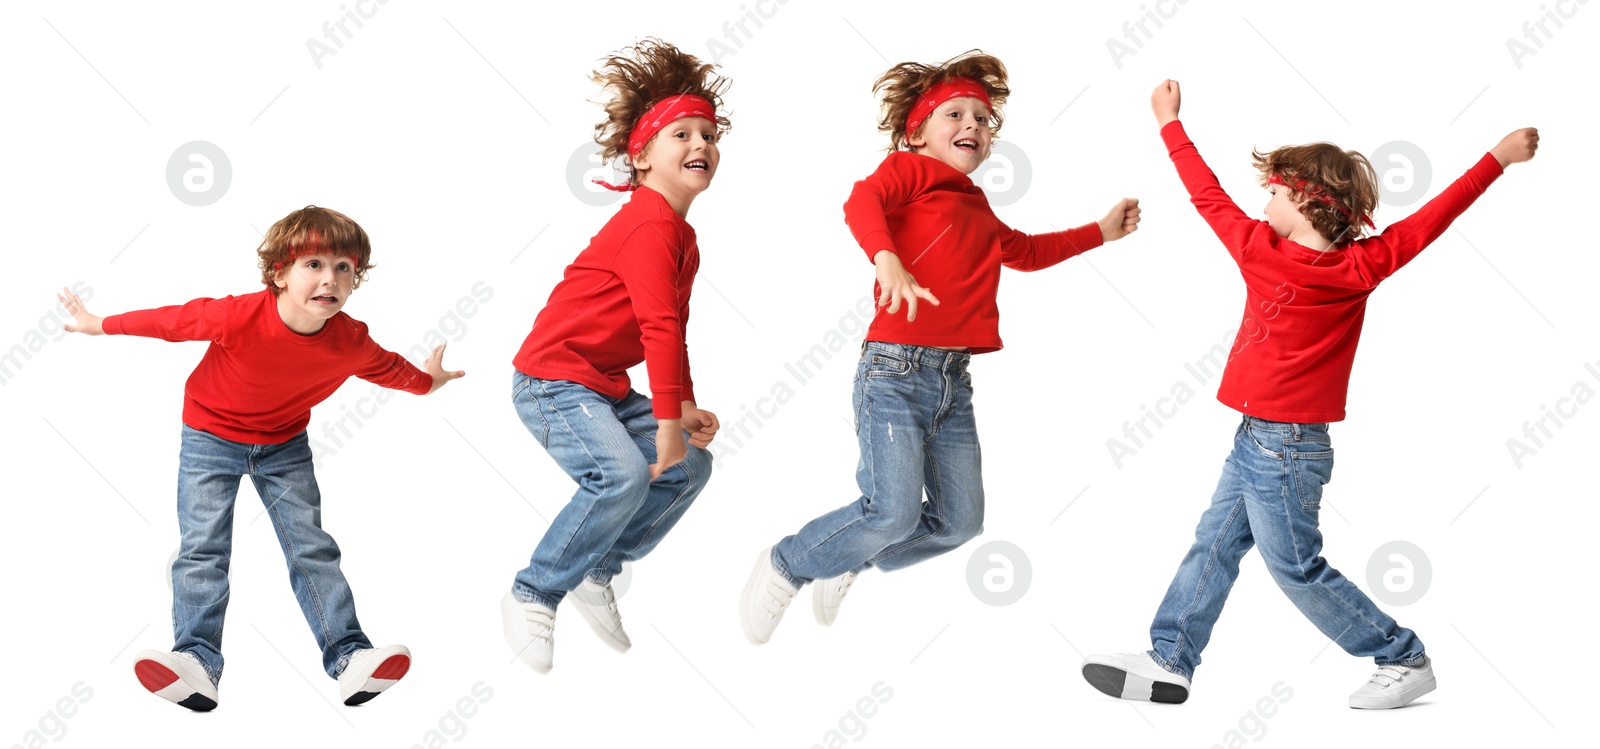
x,y
1390,675
843,586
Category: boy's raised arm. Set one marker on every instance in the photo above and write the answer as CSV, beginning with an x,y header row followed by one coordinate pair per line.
x,y
1380,256
1231,225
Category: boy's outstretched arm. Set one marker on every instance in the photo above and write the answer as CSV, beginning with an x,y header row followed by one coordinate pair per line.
x,y
1380,256
82,320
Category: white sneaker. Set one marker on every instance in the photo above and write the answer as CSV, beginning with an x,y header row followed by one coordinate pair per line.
x,y
598,605
766,596
827,596
372,670
1394,686
1134,676
177,677
530,631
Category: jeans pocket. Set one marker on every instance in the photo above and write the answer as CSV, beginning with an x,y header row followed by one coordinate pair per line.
x,y
883,364
1312,471
1250,434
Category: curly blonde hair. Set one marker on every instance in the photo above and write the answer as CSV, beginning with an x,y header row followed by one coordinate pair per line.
x,y
311,231
1344,177
902,84
644,74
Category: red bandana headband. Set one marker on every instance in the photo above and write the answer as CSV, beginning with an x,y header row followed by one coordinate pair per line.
x,y
1300,185
312,247
659,115
940,93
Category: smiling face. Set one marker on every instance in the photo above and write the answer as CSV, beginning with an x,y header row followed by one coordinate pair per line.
x,y
957,133
680,161
314,289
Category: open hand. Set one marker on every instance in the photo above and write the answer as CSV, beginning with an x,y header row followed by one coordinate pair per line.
x,y
896,284
435,367
82,321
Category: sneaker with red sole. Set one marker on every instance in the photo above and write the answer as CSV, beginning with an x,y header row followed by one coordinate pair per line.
x,y
372,670
176,677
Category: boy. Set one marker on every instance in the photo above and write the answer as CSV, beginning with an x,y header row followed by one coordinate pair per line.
x,y
273,355
1307,277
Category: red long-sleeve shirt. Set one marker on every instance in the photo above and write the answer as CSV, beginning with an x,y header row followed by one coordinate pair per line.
x,y
624,300
1292,357
258,380
940,225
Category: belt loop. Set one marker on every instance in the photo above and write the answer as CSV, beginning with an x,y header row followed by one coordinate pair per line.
x,y
1296,426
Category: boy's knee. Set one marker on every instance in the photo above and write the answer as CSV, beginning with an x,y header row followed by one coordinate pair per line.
x,y
893,520
631,478
960,533
697,462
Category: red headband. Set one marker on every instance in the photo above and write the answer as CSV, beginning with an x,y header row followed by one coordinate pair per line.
x,y
658,116
312,246
1301,186
940,93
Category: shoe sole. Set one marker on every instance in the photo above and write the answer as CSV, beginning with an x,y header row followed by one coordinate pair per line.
x,y
819,609
1116,682
599,627
510,611
386,675
765,557
165,683
1403,699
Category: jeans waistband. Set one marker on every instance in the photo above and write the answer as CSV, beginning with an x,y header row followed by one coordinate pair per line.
x,y
1286,427
922,356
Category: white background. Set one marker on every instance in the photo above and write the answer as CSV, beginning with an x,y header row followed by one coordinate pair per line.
x,y
446,131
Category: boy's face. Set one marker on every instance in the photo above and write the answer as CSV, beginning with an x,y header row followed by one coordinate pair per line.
x,y
1283,211
681,159
957,133
314,289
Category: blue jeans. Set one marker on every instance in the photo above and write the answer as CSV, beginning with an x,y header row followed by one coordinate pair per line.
x,y
618,514
917,433
1269,497
209,468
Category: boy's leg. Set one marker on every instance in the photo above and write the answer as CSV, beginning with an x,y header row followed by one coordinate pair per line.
x,y
1285,523
952,473
893,418
1183,622
580,430
666,501
209,469
284,478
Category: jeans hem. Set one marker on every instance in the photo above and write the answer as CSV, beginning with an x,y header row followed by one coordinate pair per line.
x,y
1412,662
783,571
1168,666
